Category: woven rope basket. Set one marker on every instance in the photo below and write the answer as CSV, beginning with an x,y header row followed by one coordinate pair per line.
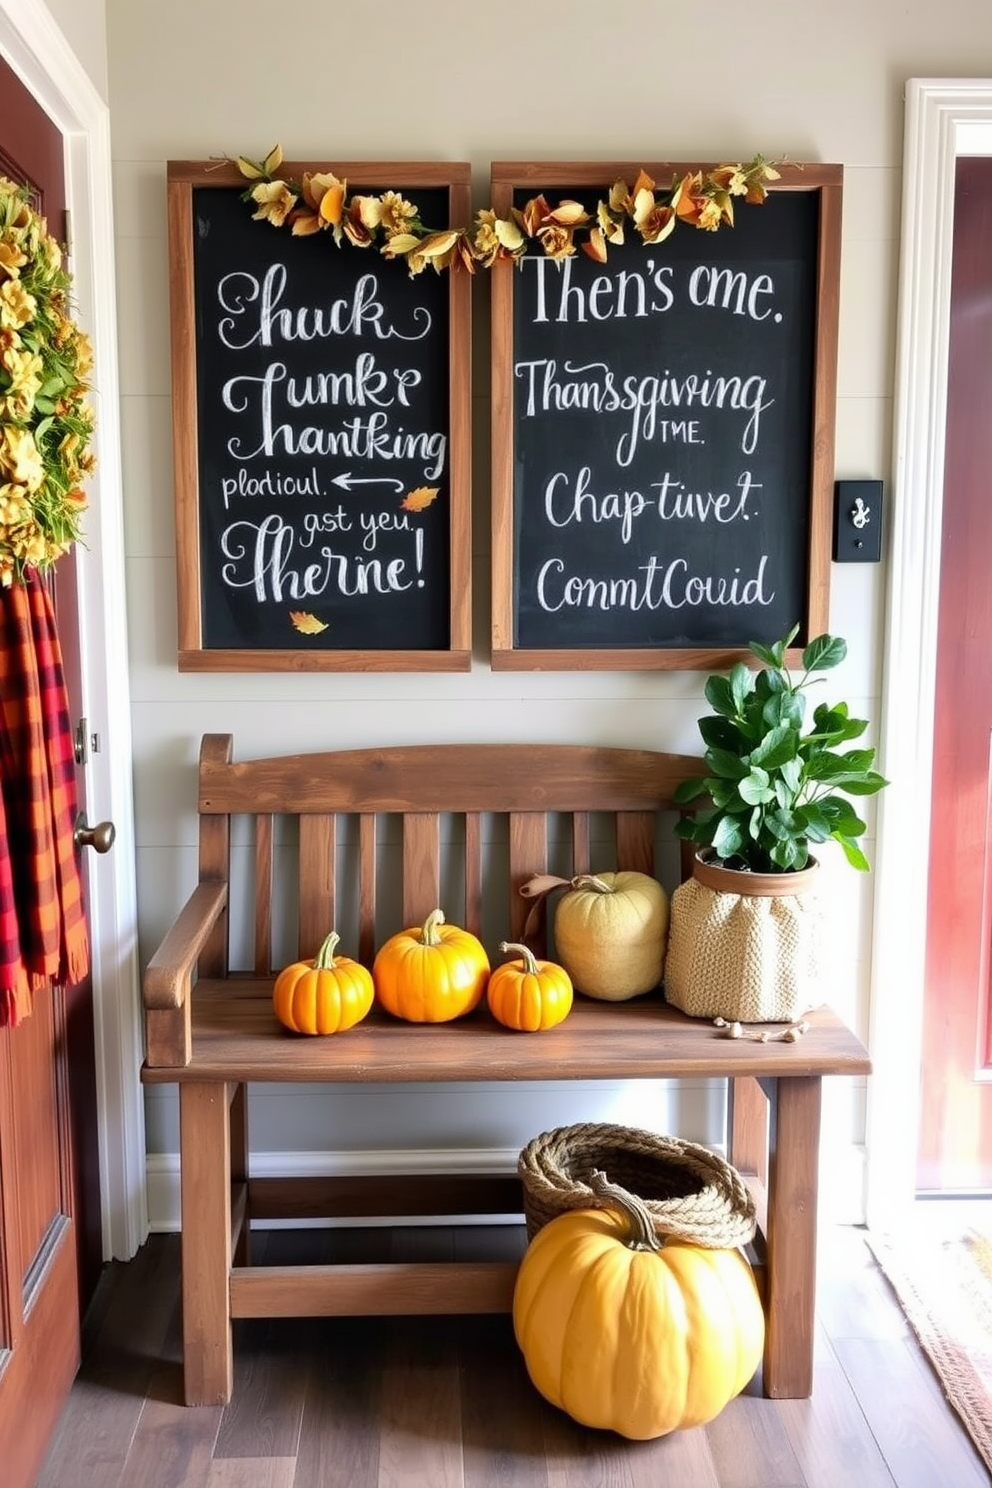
x,y
691,1193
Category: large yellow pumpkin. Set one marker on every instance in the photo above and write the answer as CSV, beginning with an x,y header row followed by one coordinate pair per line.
x,y
431,973
630,1335
326,995
611,931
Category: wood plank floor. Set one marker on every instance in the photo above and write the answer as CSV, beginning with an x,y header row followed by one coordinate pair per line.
x,y
446,1402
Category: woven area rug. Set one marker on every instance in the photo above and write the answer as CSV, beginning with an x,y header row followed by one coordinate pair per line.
x,y
944,1283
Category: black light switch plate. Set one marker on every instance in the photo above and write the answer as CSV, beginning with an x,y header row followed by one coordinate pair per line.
x,y
857,521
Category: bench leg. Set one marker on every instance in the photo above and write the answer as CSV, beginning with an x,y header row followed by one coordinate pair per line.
x,y
205,1157
747,1127
790,1303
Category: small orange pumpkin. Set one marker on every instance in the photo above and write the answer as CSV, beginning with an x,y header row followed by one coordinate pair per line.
x,y
326,995
528,994
431,974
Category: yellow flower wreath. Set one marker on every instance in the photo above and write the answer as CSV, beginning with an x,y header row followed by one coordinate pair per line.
x,y
45,421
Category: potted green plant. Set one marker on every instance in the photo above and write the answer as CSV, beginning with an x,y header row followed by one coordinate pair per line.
x,y
745,936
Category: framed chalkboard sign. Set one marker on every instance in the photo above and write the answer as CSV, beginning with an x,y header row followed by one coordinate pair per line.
x,y
321,411
663,430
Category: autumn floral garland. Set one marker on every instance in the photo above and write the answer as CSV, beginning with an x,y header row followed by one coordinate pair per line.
x,y
320,203
45,422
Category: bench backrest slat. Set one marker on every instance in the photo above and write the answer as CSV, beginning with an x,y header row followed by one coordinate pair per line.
x,y
421,867
528,855
366,888
317,879
635,840
263,893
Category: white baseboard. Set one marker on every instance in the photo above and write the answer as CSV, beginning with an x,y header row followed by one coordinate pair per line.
x,y
841,1196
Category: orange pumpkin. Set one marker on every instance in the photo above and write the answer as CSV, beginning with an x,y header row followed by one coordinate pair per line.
x,y
432,974
326,995
528,994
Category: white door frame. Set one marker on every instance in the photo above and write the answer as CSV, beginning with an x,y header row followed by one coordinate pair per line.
x,y
34,46
945,118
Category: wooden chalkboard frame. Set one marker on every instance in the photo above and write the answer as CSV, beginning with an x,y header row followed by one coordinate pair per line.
x,y
535,177
408,176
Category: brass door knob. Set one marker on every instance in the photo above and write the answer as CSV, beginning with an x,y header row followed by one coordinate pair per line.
x,y
100,838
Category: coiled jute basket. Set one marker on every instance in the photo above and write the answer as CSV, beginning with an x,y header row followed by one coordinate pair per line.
x,y
691,1192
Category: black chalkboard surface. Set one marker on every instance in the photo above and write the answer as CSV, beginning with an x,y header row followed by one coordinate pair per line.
x,y
321,438
664,432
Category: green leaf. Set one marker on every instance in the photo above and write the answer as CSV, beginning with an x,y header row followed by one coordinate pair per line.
x,y
789,855
868,785
755,789
852,853
774,655
832,725
781,825
697,827
770,655
728,837
741,681
770,683
723,792
722,733
823,653
776,748
689,829
792,774
689,790
841,816
827,766
726,764
785,707
718,695
814,822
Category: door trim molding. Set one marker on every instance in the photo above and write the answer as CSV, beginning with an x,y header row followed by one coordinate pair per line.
x,y
34,46
945,118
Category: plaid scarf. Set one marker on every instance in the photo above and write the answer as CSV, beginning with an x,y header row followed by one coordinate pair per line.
x,y
42,920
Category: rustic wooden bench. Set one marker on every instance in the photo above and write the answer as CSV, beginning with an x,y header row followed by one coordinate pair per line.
x,y
502,813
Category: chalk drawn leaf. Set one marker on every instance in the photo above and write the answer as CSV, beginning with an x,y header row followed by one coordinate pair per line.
x,y
420,499
306,623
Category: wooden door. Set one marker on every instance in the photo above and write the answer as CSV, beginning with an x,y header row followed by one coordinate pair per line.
x,y
955,1146
50,1249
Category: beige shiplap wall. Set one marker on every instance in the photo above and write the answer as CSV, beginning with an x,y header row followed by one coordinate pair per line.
x,y
82,22
634,79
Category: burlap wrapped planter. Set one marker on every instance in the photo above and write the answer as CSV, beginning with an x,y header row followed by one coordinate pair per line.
x,y
691,1192
745,946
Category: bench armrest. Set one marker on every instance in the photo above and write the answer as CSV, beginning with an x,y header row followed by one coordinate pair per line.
x,y
168,981
169,972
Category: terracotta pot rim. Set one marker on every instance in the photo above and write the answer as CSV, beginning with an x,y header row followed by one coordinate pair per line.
x,y
754,885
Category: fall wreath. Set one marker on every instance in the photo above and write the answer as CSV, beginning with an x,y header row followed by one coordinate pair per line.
x,y
46,423
319,202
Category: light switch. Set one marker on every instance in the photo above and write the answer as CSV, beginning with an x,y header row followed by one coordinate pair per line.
x,y
857,521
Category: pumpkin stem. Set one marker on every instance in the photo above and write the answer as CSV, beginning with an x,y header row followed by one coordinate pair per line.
x,y
429,934
641,1233
324,959
590,881
524,952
